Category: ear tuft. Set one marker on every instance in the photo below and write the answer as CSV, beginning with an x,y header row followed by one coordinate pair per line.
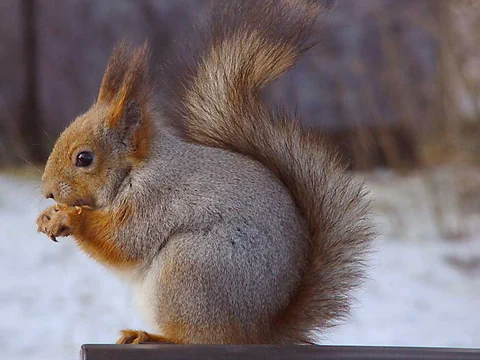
x,y
115,72
126,83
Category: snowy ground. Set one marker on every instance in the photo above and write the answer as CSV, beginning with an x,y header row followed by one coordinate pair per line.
x,y
422,290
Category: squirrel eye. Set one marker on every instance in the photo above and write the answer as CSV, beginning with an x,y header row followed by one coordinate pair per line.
x,y
85,158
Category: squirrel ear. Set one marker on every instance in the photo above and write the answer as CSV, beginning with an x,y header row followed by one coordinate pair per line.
x,y
115,73
126,87
130,120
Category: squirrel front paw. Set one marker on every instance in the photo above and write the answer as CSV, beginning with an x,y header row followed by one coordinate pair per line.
x,y
57,221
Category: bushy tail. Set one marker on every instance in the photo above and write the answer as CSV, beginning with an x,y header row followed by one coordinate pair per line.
x,y
216,103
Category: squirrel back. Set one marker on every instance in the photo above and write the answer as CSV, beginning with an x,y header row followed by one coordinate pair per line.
x,y
216,102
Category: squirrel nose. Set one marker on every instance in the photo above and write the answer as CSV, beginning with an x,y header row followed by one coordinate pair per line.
x,y
48,193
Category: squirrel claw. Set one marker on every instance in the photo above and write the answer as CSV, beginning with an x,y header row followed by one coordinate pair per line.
x,y
60,206
53,238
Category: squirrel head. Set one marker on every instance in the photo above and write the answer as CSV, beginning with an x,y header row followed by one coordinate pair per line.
x,y
95,153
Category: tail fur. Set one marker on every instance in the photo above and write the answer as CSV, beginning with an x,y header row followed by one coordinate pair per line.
x,y
216,103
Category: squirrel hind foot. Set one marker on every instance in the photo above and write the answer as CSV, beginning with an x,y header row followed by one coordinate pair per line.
x,y
140,337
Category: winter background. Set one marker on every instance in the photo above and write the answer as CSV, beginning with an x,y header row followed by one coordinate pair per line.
x,y
395,83
422,290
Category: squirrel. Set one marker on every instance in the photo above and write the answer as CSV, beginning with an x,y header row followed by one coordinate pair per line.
x,y
232,223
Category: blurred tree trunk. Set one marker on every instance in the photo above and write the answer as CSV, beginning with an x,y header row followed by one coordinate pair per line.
x,y
375,84
12,81
30,124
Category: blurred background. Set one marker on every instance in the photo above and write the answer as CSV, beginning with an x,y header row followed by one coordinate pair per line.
x,y
394,83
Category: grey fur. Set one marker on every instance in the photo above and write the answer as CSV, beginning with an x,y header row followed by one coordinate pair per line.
x,y
226,228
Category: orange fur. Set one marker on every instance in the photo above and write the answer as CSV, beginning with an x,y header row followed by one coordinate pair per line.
x,y
139,337
133,86
126,79
123,103
116,69
93,229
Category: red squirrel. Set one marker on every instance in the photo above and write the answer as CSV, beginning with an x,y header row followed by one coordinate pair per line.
x,y
232,223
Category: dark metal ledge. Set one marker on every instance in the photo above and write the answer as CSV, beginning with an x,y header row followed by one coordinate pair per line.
x,y
267,352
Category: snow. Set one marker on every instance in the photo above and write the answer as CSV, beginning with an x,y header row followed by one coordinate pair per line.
x,y
422,290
